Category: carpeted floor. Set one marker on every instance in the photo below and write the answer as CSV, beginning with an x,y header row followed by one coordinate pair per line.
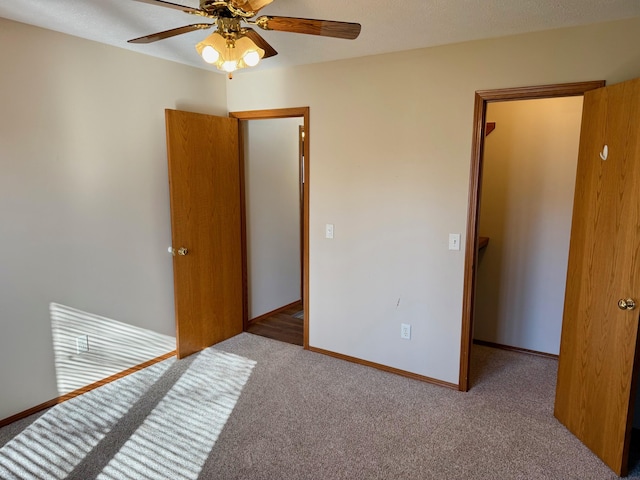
x,y
303,415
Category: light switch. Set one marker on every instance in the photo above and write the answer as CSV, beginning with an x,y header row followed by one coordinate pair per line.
x,y
328,233
454,241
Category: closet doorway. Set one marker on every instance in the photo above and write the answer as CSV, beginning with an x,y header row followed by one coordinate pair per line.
x,y
599,343
528,180
472,254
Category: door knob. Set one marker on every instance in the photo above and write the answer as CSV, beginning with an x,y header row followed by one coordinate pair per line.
x,y
182,251
626,304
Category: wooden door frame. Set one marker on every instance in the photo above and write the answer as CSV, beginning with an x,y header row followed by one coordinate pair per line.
x,y
301,184
270,115
482,98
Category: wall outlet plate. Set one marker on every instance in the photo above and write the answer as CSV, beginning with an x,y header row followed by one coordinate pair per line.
x,y
405,331
82,344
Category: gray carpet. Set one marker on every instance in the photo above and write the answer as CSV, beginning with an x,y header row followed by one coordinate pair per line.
x,y
303,415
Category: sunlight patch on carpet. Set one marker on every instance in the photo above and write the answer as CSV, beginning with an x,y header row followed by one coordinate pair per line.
x,y
175,439
172,442
56,443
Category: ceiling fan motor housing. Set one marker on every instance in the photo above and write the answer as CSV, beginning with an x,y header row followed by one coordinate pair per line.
x,y
226,9
229,25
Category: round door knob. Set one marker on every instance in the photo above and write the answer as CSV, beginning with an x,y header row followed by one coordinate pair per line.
x,y
626,304
182,251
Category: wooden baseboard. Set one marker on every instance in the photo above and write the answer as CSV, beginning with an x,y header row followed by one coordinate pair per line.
x,y
384,368
43,406
19,416
274,312
514,349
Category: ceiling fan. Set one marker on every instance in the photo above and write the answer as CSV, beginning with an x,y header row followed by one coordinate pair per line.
x,y
233,46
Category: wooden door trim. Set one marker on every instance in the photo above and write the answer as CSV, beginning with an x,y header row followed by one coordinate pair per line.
x,y
301,187
270,115
482,98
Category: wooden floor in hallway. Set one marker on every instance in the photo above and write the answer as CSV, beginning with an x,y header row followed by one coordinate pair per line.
x,y
282,326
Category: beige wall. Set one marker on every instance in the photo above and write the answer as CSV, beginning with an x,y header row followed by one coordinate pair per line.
x,y
84,203
390,140
528,180
84,206
273,213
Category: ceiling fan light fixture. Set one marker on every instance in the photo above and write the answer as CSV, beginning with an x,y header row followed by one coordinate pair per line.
x,y
230,52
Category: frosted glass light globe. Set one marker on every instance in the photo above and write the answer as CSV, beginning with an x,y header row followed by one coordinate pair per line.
x,y
230,66
251,58
210,54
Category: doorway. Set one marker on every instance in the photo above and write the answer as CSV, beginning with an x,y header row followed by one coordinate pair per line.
x,y
482,98
287,322
529,172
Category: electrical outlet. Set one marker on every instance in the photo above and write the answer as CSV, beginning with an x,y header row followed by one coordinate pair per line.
x,y
405,331
82,344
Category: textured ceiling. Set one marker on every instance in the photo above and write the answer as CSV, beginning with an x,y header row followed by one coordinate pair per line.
x,y
387,25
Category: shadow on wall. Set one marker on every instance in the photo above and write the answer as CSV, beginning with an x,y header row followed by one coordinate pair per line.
x,y
89,348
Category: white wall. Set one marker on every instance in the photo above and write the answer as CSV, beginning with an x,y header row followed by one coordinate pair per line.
x,y
84,203
528,181
273,213
390,140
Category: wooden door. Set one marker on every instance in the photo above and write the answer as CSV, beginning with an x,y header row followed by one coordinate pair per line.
x,y
597,369
204,179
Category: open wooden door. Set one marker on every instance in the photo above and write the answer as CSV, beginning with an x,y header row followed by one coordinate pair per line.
x,y
598,353
204,179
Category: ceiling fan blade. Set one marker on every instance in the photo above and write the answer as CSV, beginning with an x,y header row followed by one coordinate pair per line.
x,y
269,51
175,6
325,28
154,37
250,5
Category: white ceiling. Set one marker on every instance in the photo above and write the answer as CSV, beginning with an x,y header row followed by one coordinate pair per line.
x,y
387,25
